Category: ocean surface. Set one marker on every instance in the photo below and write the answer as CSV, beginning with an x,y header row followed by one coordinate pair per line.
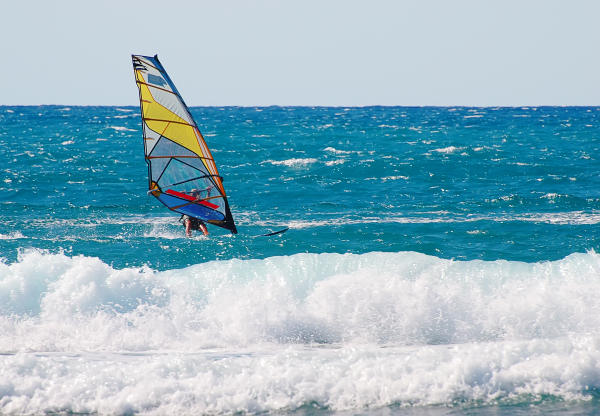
x,y
439,261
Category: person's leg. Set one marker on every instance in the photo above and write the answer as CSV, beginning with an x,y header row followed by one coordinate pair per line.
x,y
188,227
203,228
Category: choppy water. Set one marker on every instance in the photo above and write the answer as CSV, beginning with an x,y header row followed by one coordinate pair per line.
x,y
439,261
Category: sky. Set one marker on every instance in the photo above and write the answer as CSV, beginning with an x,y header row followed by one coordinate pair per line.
x,y
305,52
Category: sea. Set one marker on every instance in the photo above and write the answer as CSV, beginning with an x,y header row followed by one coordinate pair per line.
x,y
439,261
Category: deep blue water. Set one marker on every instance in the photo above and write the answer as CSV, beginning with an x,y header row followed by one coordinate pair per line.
x,y
439,261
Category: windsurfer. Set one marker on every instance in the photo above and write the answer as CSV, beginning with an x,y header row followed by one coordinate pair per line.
x,y
191,223
196,192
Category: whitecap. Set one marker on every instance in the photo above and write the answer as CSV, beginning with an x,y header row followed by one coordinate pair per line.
x,y
394,178
292,162
335,162
449,149
335,151
12,236
120,128
53,302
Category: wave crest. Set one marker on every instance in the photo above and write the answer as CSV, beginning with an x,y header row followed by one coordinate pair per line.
x,y
52,302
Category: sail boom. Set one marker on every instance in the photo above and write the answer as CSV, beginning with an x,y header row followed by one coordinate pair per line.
x,y
190,203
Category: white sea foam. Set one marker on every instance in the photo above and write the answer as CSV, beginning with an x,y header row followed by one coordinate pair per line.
x,y
449,149
90,222
479,149
57,303
267,380
292,162
453,331
335,162
299,224
337,152
563,218
120,128
165,231
12,236
394,178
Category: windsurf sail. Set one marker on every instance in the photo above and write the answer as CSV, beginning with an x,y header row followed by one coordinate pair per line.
x,y
182,173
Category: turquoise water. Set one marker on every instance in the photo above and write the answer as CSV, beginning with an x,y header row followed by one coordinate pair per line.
x,y
462,183
436,257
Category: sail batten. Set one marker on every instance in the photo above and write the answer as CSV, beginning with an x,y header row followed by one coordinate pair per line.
x,y
170,133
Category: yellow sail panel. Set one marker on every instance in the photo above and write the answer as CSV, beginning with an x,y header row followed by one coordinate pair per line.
x,y
179,133
167,123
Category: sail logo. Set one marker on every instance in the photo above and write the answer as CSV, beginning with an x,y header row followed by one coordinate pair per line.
x,y
156,80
